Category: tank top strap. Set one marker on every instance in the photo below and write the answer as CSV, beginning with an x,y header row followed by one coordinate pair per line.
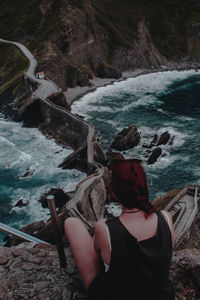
x,y
117,232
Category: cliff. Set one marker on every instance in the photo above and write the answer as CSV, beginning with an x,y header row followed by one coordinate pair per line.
x,y
77,40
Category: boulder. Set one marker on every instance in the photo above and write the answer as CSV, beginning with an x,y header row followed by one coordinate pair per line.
x,y
154,156
126,139
61,198
153,142
164,138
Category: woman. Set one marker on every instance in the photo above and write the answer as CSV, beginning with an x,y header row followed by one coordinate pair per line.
x,y
135,248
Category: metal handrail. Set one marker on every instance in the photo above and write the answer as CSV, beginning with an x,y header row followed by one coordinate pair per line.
x,y
20,234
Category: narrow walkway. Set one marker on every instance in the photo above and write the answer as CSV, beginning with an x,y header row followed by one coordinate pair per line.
x,y
46,87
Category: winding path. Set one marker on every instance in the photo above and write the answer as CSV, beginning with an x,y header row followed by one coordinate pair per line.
x,y
46,87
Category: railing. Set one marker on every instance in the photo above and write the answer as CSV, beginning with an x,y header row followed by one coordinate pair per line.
x,y
20,234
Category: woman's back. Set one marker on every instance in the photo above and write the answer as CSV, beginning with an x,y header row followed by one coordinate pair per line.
x,y
138,269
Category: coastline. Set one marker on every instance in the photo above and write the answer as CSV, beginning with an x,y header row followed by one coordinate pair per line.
x,y
74,94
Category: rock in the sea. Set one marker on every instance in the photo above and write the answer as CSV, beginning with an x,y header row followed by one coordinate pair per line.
x,y
164,138
27,173
154,156
61,198
21,203
126,139
153,142
171,141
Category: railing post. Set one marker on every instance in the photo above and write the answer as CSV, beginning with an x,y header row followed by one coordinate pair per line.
x,y
57,230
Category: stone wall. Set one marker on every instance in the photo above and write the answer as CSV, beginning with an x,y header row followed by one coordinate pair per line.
x,y
88,202
68,126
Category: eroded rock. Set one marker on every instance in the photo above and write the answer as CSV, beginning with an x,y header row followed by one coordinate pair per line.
x,y
126,139
164,138
154,156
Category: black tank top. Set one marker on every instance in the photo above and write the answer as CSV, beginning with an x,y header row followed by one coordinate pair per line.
x,y
138,270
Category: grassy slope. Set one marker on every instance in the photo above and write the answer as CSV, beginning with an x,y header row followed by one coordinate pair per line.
x,y
23,19
169,21
13,64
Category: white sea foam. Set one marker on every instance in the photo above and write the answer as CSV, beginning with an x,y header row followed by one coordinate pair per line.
x,y
143,86
27,150
184,118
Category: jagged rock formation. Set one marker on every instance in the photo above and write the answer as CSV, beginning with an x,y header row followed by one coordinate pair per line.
x,y
164,138
77,40
126,139
154,155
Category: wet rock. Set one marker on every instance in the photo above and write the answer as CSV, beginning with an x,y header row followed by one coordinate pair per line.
x,y
153,142
61,198
27,173
164,138
126,139
21,203
154,156
171,141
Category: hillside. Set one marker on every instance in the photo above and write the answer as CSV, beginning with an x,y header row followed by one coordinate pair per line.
x,y
75,40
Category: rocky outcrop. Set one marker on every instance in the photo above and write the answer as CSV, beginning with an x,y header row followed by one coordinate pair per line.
x,y
154,156
126,139
185,274
164,138
141,54
60,197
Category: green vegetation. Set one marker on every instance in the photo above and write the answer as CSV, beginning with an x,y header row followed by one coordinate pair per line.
x,y
51,30
23,19
14,64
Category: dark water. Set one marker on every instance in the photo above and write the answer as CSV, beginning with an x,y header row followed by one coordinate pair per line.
x,y
155,103
22,149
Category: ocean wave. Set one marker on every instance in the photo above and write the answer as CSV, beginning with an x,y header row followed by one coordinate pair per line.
x,y
184,118
144,87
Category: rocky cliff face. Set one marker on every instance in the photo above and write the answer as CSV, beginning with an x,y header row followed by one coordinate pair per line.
x,y
77,40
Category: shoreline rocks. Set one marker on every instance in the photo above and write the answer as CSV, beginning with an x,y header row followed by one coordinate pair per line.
x,y
126,139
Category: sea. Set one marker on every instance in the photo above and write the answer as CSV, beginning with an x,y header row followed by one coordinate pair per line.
x,y
25,151
155,102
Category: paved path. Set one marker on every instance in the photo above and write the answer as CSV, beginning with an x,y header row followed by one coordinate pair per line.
x,y
46,87
34,273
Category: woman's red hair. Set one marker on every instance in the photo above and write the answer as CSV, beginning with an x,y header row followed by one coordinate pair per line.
x,y
129,185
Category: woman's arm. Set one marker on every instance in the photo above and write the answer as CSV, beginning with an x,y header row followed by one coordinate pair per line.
x,y
168,218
